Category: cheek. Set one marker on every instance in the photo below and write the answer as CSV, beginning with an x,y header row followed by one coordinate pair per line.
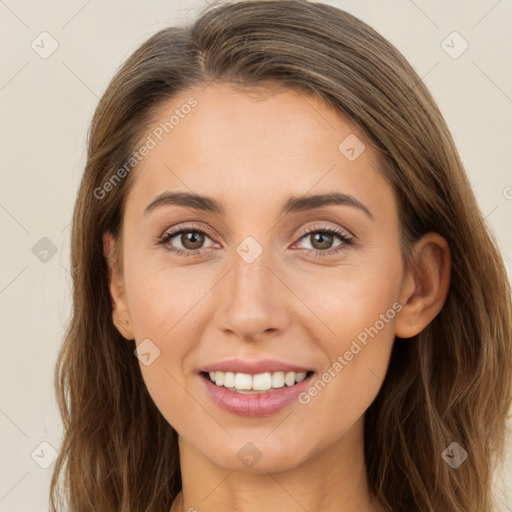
x,y
161,297
348,302
163,315
355,309
166,305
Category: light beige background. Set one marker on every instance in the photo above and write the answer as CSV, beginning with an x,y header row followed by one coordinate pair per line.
x,y
47,104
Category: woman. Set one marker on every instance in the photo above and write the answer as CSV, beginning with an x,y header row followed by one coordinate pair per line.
x,y
275,221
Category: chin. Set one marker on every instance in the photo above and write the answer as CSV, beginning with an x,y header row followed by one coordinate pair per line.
x,y
257,457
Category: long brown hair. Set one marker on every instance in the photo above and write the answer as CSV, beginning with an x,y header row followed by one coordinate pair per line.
x,y
450,383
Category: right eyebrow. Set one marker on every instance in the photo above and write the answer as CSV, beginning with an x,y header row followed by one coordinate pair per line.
x,y
186,199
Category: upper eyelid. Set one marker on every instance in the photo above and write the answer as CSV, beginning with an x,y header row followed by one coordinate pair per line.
x,y
337,230
302,233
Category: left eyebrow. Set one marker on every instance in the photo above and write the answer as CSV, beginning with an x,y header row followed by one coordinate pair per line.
x,y
293,204
301,203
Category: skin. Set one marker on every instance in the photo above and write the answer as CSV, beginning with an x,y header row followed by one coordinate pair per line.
x,y
252,152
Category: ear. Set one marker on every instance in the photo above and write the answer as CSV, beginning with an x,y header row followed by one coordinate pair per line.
x,y
425,287
120,313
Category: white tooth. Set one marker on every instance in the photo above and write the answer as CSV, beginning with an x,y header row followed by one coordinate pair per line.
x,y
229,380
262,381
243,381
300,377
278,379
289,379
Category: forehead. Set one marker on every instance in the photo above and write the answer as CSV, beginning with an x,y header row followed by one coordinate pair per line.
x,y
254,146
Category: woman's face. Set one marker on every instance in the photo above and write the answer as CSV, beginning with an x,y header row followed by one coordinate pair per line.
x,y
271,276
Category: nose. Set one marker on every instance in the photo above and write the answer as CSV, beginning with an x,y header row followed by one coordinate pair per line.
x,y
253,300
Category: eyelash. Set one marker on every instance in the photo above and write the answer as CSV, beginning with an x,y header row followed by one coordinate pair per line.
x,y
346,240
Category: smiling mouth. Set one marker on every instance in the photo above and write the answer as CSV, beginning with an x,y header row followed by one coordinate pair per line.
x,y
246,383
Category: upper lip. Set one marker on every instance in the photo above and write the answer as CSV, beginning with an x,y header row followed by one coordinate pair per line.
x,y
253,366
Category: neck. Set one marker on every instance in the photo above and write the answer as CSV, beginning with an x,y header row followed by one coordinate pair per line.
x,y
332,480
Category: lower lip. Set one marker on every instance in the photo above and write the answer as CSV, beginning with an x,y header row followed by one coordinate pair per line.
x,y
261,404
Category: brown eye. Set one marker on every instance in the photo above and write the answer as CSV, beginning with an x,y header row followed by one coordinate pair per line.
x,y
192,239
186,241
321,240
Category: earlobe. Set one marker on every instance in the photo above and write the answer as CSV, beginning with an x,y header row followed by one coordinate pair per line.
x,y
426,286
120,313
